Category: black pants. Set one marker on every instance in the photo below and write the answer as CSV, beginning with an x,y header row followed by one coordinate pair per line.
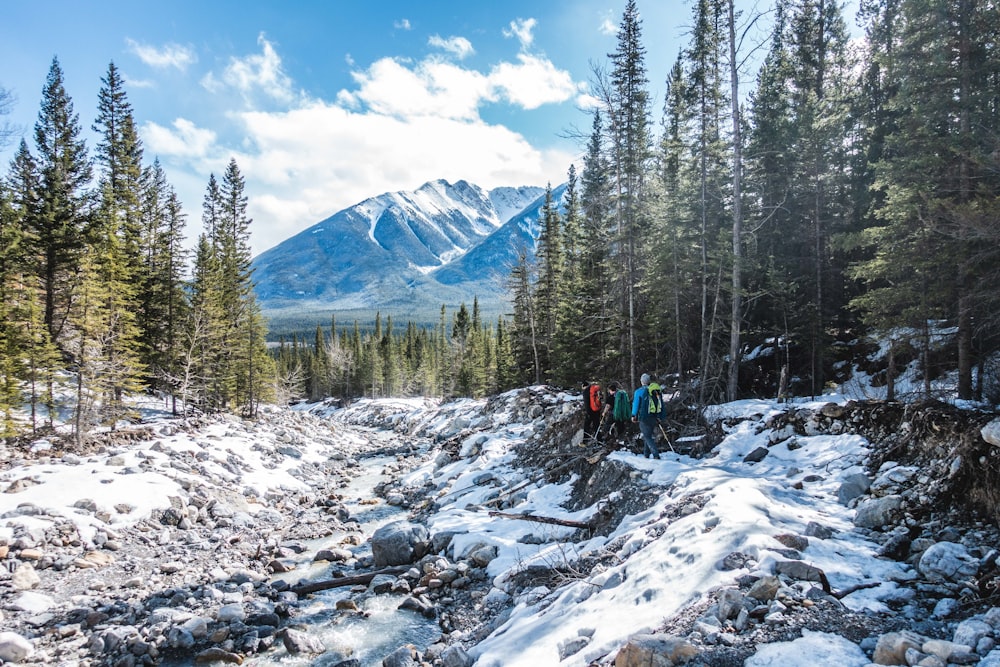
x,y
591,422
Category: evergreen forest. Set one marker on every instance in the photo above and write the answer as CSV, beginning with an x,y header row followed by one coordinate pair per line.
x,y
793,193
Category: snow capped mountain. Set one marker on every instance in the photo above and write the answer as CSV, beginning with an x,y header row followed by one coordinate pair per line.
x,y
392,252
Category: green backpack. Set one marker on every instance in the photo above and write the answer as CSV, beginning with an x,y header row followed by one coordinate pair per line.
x,y
655,399
622,410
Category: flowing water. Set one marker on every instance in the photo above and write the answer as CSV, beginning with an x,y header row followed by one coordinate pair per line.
x,y
380,629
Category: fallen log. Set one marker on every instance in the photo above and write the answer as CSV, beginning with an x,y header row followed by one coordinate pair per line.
x,y
339,582
543,519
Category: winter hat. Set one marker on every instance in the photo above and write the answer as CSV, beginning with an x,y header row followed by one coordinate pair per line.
x,y
644,379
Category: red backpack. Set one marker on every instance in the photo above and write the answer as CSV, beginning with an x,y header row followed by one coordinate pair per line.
x,y
594,402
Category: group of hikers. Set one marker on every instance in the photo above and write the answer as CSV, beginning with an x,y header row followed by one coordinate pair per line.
x,y
610,417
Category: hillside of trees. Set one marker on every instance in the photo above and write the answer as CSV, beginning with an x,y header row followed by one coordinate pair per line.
x,y
98,297
854,189
840,189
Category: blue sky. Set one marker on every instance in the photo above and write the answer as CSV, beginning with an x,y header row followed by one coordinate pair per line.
x,y
326,103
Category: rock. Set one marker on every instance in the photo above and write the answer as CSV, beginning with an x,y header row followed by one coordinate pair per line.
x,y
570,647
33,603
765,588
801,571
231,612
878,512
796,542
947,561
730,603
218,655
756,456
25,578
819,531
991,432
404,656
456,656
852,487
296,641
892,646
654,651
14,647
482,555
944,649
969,632
399,543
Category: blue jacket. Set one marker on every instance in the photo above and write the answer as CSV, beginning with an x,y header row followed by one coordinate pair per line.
x,y
640,406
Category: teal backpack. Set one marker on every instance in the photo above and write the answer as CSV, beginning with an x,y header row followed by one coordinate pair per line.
x,y
622,410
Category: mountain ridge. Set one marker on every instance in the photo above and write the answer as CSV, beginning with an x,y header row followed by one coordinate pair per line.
x,y
403,252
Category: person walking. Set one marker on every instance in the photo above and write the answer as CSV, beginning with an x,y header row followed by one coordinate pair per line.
x,y
617,410
591,409
647,411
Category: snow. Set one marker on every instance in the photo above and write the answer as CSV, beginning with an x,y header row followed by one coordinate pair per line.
x,y
661,564
813,648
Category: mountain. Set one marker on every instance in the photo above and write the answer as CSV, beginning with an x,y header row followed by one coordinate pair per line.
x,y
405,253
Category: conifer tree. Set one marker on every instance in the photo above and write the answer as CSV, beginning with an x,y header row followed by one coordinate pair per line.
x,y
64,174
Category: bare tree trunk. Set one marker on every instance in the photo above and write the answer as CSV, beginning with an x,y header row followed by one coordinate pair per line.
x,y
732,384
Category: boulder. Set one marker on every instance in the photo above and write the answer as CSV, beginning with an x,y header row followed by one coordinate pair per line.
x,y
399,543
296,641
878,512
852,487
991,432
14,647
947,561
655,651
891,647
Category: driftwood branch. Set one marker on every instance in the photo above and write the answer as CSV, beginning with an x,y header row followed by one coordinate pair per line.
x,y
543,519
338,582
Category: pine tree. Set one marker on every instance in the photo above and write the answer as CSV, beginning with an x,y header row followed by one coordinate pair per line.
x,y
629,117
115,238
64,173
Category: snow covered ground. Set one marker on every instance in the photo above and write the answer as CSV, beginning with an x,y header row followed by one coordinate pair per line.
x,y
652,566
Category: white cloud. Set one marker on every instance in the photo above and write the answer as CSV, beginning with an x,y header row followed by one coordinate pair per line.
x,y
169,55
532,82
401,124
607,25
184,140
458,46
256,73
316,160
431,88
522,30
402,24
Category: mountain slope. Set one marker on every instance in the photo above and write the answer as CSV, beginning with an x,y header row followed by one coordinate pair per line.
x,y
382,253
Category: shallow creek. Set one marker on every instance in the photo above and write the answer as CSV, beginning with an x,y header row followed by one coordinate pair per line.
x,y
381,629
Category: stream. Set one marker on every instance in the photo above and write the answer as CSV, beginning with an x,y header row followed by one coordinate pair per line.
x,y
366,637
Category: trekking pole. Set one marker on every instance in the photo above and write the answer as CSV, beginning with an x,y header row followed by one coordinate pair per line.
x,y
666,437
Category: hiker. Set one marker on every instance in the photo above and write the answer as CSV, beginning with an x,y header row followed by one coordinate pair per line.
x,y
617,413
591,408
647,411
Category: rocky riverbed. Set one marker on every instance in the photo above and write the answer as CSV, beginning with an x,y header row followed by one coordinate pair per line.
x,y
164,545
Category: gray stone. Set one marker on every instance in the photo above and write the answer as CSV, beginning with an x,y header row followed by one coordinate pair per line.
x,y
756,456
296,641
401,657
654,651
765,588
947,561
971,631
14,647
991,432
878,512
25,578
852,487
730,604
456,656
892,646
399,543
